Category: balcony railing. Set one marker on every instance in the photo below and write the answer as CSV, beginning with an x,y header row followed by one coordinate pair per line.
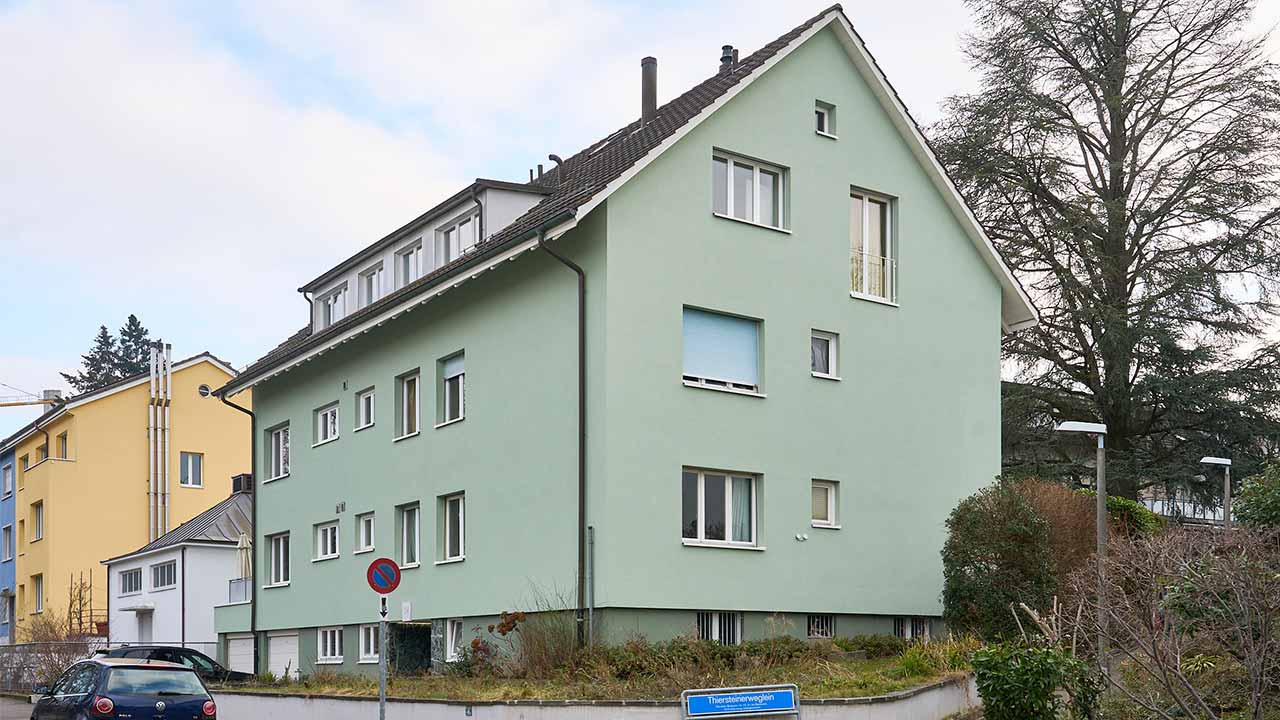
x,y
874,276
238,590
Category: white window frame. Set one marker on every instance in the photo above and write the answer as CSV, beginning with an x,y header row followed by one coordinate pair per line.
x,y
327,541
828,113
833,354
185,470
6,477
407,512
365,538
332,307
891,248
364,420
833,518
708,626
728,509
442,256
326,422
278,446
329,646
369,644
404,385
450,413
370,285
756,166
6,542
37,520
454,632
820,626
37,586
409,263
135,586
278,561
168,567
447,526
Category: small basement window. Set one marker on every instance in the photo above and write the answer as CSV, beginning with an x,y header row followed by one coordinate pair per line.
x,y
822,627
720,627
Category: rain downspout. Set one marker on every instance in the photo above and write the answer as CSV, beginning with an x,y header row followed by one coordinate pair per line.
x,y
168,400
475,198
151,449
253,511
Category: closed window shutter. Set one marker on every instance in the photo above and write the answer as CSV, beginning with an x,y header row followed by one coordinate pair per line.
x,y
721,347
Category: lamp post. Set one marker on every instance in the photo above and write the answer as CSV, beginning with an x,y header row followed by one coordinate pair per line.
x,y
1226,486
1099,431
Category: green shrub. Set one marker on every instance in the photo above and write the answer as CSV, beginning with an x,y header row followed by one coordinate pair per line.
x,y
1258,505
874,646
996,554
1131,515
1018,682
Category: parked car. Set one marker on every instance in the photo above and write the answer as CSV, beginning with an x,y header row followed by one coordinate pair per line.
x,y
206,667
122,687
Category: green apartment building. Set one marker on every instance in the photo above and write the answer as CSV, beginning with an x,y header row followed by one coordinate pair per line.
x,y
723,372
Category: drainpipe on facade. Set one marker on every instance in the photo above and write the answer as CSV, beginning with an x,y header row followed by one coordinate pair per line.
x,y
184,595
475,198
582,430
253,519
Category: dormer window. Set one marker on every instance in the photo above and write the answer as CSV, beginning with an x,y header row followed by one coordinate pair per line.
x,y
454,241
409,264
332,307
371,285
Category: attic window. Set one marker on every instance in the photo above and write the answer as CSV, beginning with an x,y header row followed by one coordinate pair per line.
x,y
748,190
824,119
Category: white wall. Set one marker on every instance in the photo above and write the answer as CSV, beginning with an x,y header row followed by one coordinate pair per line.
x,y
206,572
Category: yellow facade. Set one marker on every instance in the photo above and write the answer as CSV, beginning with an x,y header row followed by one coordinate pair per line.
x,y
82,496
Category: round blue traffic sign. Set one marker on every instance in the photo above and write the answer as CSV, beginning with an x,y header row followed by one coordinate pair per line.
x,y
383,575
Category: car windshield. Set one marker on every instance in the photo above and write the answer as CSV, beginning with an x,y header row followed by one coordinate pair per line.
x,y
153,681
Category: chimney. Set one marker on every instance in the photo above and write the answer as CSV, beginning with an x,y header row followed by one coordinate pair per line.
x,y
728,56
54,395
539,171
648,89
242,483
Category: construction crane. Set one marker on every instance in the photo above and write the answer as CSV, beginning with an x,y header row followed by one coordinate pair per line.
x,y
48,397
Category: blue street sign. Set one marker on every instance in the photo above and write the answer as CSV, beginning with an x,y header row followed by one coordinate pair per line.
x,y
742,702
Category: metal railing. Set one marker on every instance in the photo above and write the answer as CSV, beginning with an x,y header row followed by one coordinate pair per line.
x,y
874,276
1184,510
239,590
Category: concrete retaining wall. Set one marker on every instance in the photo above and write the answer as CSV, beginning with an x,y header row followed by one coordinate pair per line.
x,y
932,702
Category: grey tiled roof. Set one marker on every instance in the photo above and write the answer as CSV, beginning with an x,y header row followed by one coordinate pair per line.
x,y
220,524
568,186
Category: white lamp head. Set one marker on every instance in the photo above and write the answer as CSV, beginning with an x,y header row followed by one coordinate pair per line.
x,y
1082,427
1210,460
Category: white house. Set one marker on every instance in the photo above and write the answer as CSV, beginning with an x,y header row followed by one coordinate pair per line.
x,y
164,592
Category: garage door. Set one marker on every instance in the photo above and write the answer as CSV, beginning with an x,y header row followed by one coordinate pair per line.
x,y
282,655
240,653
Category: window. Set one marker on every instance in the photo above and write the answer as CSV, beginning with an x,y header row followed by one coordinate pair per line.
x,y
6,542
371,285
364,532
455,240
6,479
822,627
721,352
453,391
453,649
326,424
278,571
747,190
409,263
326,541
824,504
24,462
42,453
131,581
824,354
873,266
63,450
37,521
721,627
408,405
369,645
364,408
37,586
192,469
164,575
718,507
333,307
329,642
825,118
920,628
278,461
409,536
4,609
454,527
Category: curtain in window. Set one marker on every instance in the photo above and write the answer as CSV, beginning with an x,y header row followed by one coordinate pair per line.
x,y
721,347
820,354
741,509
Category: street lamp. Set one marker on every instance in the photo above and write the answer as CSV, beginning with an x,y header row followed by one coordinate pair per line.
x,y
1099,431
1226,486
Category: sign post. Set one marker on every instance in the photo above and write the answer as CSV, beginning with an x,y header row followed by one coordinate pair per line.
x,y
384,577
739,702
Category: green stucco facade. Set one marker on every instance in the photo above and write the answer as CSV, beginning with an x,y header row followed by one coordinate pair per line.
x,y
912,426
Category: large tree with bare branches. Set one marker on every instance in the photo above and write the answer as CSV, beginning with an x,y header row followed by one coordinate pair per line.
x,y
1123,156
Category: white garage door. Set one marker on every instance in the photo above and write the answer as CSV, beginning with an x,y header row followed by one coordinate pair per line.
x,y
282,655
240,653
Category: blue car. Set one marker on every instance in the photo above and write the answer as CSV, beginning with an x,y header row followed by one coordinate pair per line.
x,y
125,688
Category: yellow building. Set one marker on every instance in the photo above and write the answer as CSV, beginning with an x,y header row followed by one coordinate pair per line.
x,y
110,470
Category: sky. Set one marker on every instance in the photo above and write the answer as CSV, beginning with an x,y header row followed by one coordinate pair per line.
x,y
195,163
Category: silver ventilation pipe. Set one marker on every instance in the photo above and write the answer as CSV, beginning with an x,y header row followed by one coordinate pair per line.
x,y
151,447
168,400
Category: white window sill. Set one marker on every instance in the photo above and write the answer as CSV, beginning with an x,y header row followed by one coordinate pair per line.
x,y
824,376
715,544
752,223
322,559
164,589
451,561
324,442
192,487
6,495
273,586
132,594
367,661
278,477
362,551
826,134
873,298
410,566
824,526
362,427
450,422
732,391
329,661
415,433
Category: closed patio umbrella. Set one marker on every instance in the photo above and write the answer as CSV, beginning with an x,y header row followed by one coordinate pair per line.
x,y
244,554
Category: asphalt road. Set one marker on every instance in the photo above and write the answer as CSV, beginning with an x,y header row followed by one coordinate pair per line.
x,y
11,709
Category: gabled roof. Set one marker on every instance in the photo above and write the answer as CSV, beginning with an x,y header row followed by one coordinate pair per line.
x,y
584,180
219,525
117,386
